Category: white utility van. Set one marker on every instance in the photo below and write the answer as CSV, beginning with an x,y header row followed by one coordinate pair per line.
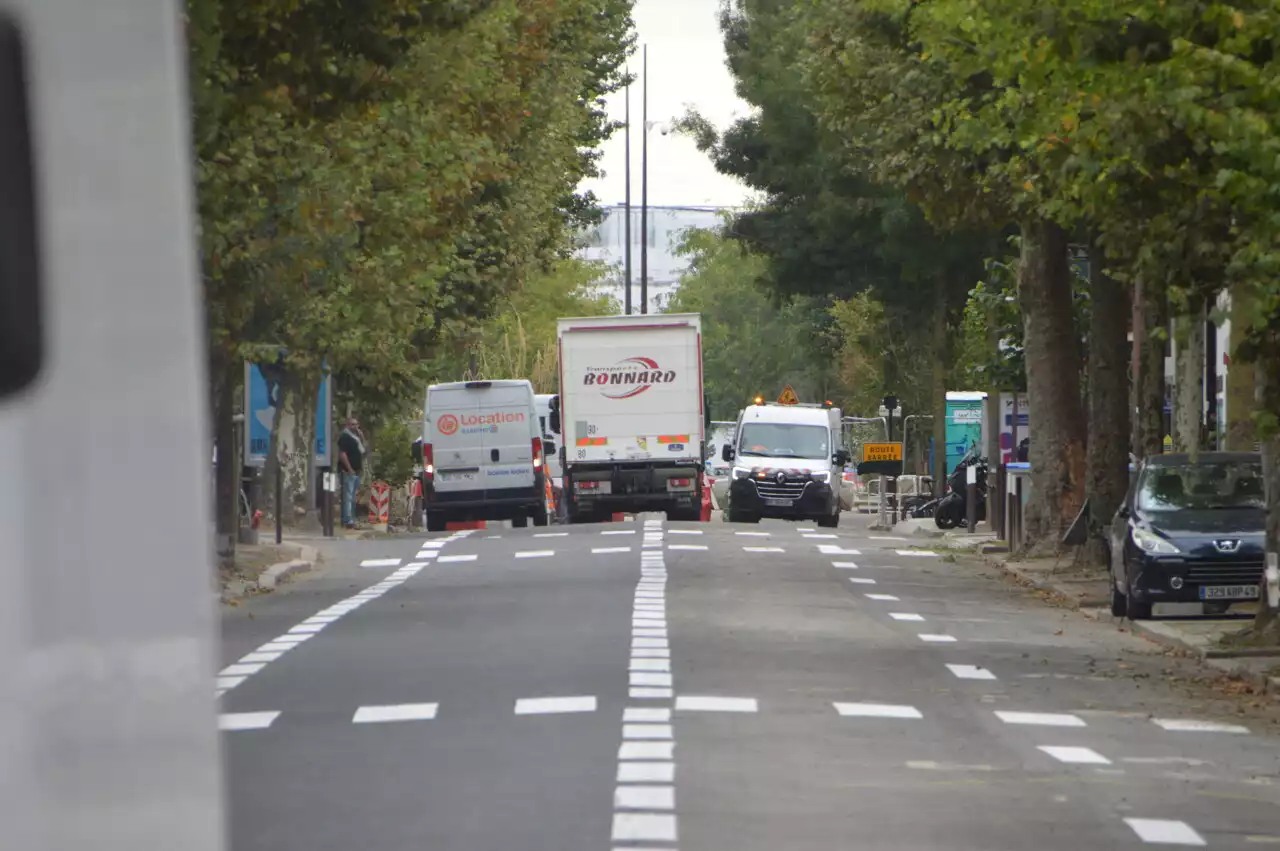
x,y
787,460
482,454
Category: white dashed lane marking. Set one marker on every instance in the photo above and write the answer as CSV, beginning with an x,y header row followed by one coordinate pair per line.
x,y
652,827
1044,719
885,538
444,559
1079,756
551,534
845,565
1189,725
645,798
604,550
971,672
686,546
646,714
763,550
380,562
618,532
861,580
698,703
917,553
555,705
1164,832
684,531
906,616
876,710
236,721
753,534
887,598
836,550
535,554
647,750
933,638
396,712
646,772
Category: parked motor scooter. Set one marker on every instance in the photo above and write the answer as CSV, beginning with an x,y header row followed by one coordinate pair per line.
x,y
952,509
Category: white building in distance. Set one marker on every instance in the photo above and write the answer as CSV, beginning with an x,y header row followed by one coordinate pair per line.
x,y
607,244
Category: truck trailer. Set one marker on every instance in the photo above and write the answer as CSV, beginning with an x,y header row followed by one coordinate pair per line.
x,y
632,415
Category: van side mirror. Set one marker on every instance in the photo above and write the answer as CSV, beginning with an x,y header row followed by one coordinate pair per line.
x,y
727,454
554,421
841,457
416,451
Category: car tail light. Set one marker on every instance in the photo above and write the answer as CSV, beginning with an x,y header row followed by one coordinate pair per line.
x,y
586,486
679,484
428,462
537,452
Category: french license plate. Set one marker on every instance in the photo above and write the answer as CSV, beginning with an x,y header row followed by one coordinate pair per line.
x,y
457,476
778,503
1228,592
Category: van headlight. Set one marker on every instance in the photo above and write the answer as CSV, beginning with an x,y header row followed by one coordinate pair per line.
x,y
823,478
1150,542
741,473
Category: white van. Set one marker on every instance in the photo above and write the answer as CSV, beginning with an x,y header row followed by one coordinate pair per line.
x,y
482,454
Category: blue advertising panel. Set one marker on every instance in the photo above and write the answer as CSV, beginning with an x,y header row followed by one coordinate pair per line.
x,y
964,425
261,398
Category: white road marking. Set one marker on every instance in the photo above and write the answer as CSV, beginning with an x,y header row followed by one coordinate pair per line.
x,y
645,798
885,538
813,537
646,772
917,553
428,553
642,664
235,721
648,632
1164,831
618,532
444,559
933,638
1079,756
1190,725
845,565
684,531
650,642
971,672
696,703
380,562
876,710
653,827
1044,719
763,550
754,534
535,554
225,683
834,550
804,529
686,546
603,550
647,750
242,670
888,598
861,580
550,534
931,765
649,623
650,693
906,616
639,678
395,712
555,705
276,645
259,656
305,628
649,653
646,715
435,545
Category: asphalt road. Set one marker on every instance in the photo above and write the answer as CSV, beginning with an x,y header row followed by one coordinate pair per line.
x,y
655,685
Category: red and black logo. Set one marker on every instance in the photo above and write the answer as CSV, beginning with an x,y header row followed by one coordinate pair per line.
x,y
627,378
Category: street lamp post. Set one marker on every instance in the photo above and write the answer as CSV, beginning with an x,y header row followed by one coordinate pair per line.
x,y
626,233
889,409
644,182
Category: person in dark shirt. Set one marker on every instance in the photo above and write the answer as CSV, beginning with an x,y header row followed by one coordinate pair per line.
x,y
350,463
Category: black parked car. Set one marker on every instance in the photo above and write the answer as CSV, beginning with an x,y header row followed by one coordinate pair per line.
x,y
1189,532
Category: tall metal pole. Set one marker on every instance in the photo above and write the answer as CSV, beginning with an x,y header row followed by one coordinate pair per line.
x,y
627,205
644,184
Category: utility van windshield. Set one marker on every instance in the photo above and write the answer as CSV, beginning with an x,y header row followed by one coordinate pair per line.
x,y
784,440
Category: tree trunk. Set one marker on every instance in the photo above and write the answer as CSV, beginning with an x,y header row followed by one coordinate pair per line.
x,y
1188,406
939,377
1108,404
227,474
1267,624
1241,382
1148,384
1053,385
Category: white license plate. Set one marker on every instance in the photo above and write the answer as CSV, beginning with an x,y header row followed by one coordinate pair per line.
x,y
778,503
1228,592
457,476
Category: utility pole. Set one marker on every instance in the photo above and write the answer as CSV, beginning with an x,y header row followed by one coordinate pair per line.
x,y
644,182
626,233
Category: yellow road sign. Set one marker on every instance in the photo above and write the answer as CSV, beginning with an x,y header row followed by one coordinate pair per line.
x,y
882,452
788,396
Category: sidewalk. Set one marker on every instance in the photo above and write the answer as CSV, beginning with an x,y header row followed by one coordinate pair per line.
x,y
1181,627
261,567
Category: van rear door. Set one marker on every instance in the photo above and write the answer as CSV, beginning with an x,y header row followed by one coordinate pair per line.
x,y
508,425
457,449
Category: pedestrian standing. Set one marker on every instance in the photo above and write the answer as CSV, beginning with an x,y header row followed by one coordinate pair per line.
x,y
351,462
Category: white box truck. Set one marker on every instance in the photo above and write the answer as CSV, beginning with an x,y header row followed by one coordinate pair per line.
x,y
632,415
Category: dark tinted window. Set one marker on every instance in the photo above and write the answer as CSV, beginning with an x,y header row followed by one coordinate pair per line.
x,y
1202,486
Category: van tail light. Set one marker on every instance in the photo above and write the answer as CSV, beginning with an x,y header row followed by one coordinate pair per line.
x,y
537,452
428,463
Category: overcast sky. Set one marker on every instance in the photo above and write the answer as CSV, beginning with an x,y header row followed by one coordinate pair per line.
x,y
686,67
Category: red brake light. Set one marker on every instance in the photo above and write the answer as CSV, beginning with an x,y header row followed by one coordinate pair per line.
x,y
537,452
428,462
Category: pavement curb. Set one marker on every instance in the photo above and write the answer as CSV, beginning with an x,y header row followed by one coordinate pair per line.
x,y
270,578
1071,601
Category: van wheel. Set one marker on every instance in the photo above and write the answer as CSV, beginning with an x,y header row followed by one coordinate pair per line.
x,y
540,518
830,521
519,522
435,521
